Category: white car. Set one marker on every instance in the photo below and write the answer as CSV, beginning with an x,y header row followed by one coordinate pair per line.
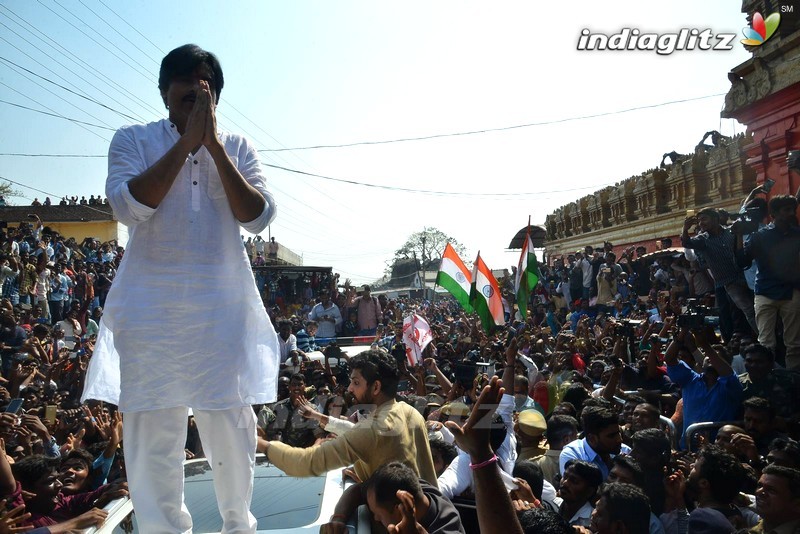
x,y
281,504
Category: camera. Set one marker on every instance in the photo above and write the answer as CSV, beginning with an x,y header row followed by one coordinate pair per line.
x,y
697,316
628,327
749,220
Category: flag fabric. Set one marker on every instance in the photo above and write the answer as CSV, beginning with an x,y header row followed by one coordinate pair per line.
x,y
485,296
527,274
416,336
454,276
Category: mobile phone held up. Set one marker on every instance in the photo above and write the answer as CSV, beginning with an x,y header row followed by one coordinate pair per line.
x,y
14,406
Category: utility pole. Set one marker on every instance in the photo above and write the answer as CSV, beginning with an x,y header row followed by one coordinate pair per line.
x,y
424,268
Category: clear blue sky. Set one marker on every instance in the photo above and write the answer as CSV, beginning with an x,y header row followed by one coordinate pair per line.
x,y
310,73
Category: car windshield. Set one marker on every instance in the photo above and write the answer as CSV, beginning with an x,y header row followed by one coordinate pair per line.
x,y
279,501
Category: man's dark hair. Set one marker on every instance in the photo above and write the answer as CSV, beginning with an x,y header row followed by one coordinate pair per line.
x,y
531,473
777,202
635,399
389,478
447,451
723,471
568,406
787,445
761,349
32,468
792,476
711,212
311,323
575,395
759,404
595,419
652,443
628,504
284,322
299,376
377,365
560,427
543,521
184,60
628,463
588,471
598,402
497,432
79,454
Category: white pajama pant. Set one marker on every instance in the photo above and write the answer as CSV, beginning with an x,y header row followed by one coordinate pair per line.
x,y
154,453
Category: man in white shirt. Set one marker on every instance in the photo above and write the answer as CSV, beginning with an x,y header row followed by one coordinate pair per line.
x,y
186,192
327,316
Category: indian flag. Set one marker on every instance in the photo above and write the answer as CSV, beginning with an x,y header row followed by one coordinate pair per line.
x,y
527,274
485,296
455,277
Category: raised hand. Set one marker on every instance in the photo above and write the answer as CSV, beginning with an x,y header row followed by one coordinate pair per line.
x,y
11,520
473,437
409,524
196,123
210,132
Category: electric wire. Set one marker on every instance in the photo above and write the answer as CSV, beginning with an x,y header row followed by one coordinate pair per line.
x,y
58,116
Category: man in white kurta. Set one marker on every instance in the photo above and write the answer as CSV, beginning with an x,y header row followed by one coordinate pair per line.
x,y
184,326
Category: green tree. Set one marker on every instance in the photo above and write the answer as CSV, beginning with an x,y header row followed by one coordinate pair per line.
x,y
427,246
7,191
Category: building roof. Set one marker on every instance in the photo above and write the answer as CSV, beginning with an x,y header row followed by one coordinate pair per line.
x,y
52,214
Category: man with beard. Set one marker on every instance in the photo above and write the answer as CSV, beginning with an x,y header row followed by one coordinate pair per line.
x,y
601,443
714,482
394,431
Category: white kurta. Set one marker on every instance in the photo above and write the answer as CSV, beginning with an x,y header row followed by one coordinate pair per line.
x,y
183,323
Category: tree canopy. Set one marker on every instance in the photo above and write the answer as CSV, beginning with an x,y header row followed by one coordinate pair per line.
x,y
427,246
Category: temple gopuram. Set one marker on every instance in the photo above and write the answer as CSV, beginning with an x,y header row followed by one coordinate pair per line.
x,y
644,209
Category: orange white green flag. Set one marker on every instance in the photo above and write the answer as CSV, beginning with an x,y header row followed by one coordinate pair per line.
x,y
485,296
454,276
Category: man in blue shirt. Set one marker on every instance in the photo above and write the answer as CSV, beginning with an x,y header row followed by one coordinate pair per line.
x,y
603,441
714,395
776,250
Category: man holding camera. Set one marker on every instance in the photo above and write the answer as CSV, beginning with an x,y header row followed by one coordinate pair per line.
x,y
776,251
715,244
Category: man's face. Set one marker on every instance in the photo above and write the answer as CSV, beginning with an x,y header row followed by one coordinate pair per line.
x,y
707,222
627,412
574,488
643,418
757,423
362,391
757,365
774,501
47,490
285,330
724,437
311,330
785,215
601,519
74,473
297,388
386,515
182,92
620,474
607,441
325,298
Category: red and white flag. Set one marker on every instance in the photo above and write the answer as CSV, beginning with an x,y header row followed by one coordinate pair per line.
x,y
416,336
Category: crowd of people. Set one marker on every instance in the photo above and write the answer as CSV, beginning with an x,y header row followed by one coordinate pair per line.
x,y
72,201
633,393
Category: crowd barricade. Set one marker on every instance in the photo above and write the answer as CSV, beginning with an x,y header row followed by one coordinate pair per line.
x,y
666,422
694,428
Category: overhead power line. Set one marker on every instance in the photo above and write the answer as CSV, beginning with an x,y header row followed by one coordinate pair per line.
x,y
498,129
58,116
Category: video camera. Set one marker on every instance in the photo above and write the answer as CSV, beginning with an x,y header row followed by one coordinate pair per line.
x,y
749,220
697,315
628,327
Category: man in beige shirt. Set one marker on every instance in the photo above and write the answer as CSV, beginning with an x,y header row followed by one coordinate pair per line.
x,y
394,431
